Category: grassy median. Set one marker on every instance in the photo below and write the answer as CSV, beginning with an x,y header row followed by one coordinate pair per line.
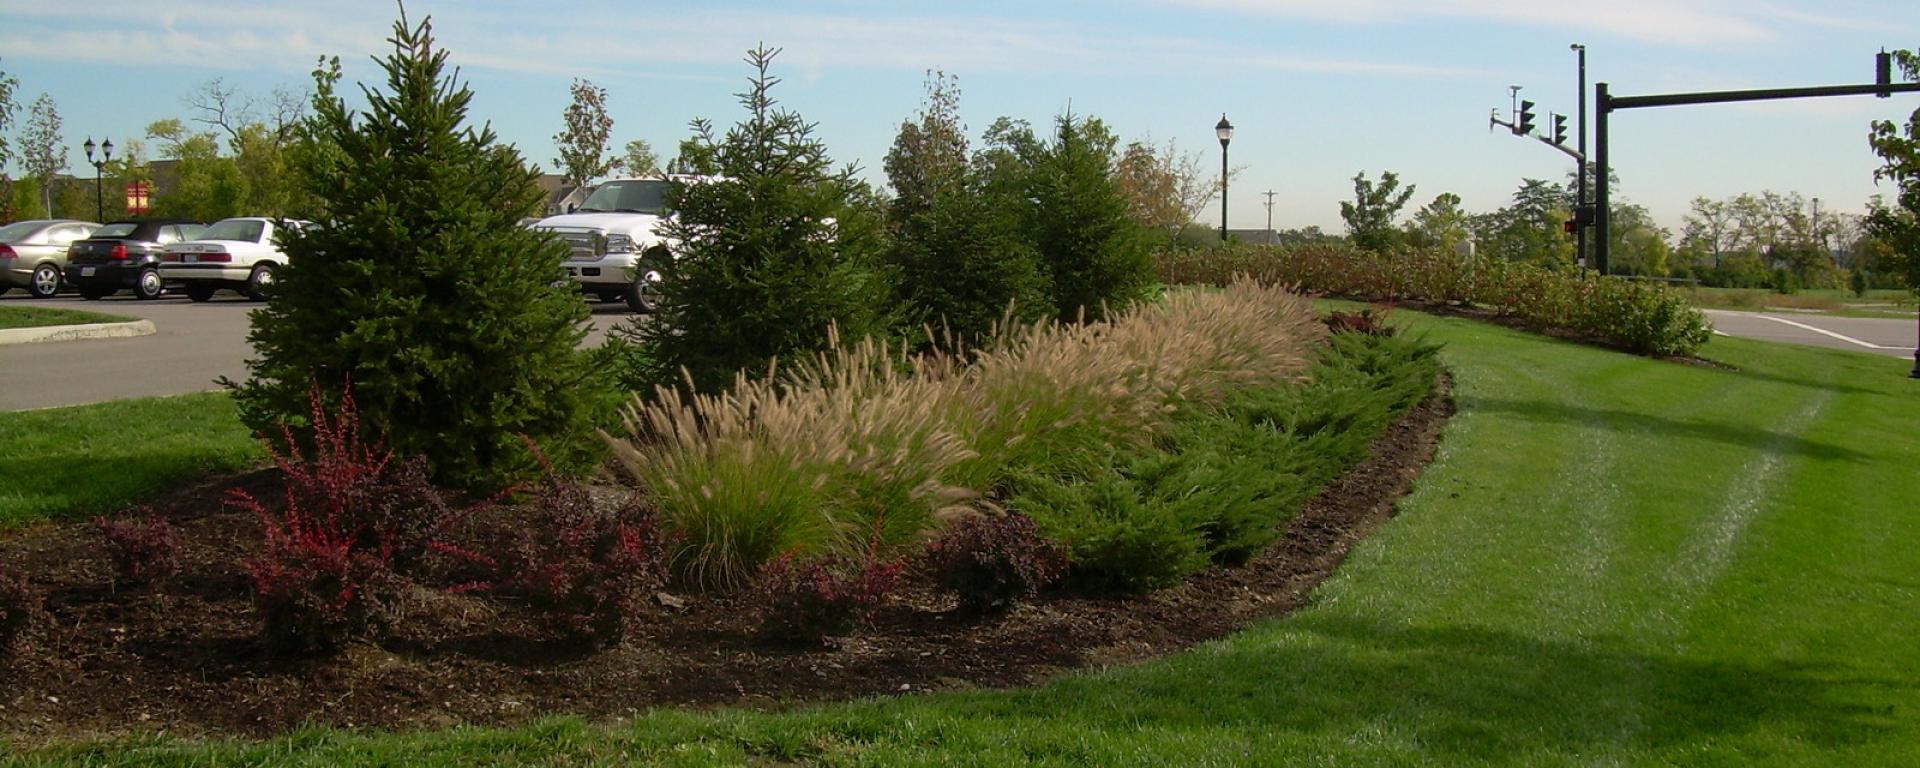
x,y
38,317
90,459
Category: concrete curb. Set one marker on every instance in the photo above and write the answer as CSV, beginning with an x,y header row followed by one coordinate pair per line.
x,y
76,332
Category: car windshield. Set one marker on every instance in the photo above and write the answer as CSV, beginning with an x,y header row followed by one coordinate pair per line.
x,y
649,196
19,230
247,230
116,229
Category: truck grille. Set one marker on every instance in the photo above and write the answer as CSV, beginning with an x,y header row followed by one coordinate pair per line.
x,y
584,244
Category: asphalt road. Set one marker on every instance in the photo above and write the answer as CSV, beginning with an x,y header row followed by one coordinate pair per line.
x,y
1880,336
194,345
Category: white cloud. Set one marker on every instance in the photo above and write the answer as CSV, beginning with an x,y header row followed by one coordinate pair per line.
x,y
656,44
1679,22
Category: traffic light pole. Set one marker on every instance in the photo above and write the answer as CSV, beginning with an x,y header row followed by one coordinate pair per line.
x,y
1606,103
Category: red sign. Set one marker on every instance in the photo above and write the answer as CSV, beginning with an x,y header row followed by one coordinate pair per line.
x,y
139,197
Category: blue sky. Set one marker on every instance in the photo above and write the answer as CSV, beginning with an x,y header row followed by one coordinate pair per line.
x,y
1319,89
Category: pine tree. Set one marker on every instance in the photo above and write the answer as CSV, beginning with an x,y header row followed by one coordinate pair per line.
x,y
422,292
775,250
957,255
1093,251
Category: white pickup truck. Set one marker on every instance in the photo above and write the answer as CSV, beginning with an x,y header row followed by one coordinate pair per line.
x,y
614,238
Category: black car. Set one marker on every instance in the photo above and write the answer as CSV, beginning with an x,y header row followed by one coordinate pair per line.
x,y
125,254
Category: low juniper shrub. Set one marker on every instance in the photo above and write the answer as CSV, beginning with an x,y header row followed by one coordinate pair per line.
x,y
586,568
19,606
991,561
1119,538
142,548
809,600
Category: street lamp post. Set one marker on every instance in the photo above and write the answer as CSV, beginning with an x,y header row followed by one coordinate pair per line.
x,y
100,165
1224,130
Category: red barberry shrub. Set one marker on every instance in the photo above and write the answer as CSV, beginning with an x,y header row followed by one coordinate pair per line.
x,y
352,521
19,606
142,548
1367,321
810,600
587,568
991,561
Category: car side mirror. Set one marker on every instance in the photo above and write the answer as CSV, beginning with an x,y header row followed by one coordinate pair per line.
x,y
571,207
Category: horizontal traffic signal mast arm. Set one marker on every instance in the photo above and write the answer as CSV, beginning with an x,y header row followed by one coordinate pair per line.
x,y
1763,94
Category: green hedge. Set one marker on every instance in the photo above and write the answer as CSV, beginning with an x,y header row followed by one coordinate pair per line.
x,y
1644,318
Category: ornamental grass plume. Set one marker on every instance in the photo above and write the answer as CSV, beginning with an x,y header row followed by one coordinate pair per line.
x,y
865,443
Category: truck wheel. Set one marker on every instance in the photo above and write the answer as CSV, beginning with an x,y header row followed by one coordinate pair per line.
x,y
643,296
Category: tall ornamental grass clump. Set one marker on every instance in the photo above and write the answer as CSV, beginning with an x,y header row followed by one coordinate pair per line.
x,y
864,450
1641,317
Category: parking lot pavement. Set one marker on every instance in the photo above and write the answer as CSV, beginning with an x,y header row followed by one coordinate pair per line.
x,y
1882,336
194,345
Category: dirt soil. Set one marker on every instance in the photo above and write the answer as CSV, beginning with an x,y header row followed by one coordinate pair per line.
x,y
184,658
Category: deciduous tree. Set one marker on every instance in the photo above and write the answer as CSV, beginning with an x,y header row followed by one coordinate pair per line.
x,y
42,150
583,143
1371,215
1898,225
639,159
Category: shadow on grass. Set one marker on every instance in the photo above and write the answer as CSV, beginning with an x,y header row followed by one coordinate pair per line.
x,y
1750,438
67,486
1463,693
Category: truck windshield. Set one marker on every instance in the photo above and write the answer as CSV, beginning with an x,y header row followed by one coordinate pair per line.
x,y
648,196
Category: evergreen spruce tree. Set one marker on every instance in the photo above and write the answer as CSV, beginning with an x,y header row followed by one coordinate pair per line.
x,y
422,292
775,250
957,254
1095,255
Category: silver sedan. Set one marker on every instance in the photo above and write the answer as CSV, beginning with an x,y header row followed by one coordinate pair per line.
x,y
33,253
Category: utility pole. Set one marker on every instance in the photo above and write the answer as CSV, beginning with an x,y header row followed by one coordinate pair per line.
x,y
1580,216
1269,194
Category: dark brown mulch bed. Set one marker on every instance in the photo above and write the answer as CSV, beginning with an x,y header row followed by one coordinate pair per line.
x,y
185,659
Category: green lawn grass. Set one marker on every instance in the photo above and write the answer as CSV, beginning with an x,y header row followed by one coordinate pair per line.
x,y
1612,561
36,317
65,462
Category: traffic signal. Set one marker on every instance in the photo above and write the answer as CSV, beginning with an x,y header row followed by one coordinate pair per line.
x,y
1560,129
1524,125
1883,72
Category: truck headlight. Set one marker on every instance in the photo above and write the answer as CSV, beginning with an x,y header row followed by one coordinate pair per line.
x,y
619,244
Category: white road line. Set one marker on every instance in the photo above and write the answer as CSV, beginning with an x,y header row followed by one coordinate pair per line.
x,y
1825,332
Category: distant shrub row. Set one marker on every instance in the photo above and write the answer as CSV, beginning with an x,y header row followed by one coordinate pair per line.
x,y
1640,317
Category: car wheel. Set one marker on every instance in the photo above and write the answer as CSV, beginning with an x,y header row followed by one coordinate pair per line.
x,y
200,293
149,286
643,295
259,282
93,293
45,282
